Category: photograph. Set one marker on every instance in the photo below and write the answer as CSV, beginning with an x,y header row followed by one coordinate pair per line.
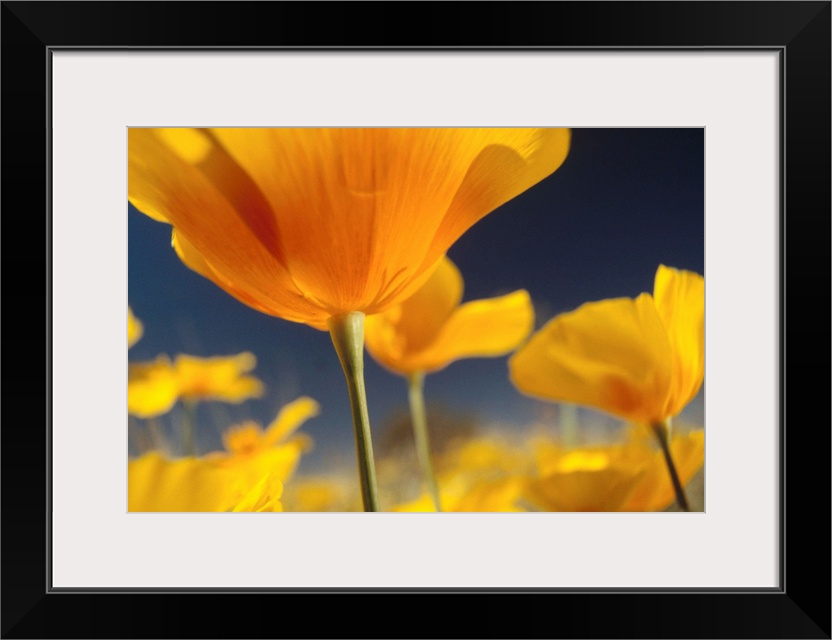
x,y
428,303
456,319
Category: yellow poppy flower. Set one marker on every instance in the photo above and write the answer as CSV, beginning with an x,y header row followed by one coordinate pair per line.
x,y
641,360
155,483
306,224
616,477
152,388
217,378
431,329
134,328
252,452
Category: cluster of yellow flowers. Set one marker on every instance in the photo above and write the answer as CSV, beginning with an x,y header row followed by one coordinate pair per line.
x,y
346,230
248,475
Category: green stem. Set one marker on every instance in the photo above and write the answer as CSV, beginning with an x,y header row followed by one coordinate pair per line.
x,y
157,441
662,431
569,425
415,386
189,428
347,332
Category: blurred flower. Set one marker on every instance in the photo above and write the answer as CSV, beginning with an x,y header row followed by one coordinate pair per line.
x,y
655,491
155,483
264,496
430,329
134,328
485,474
152,388
641,360
306,224
252,452
473,496
618,477
217,378
321,494
485,456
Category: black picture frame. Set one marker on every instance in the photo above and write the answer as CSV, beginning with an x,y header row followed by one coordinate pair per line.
x,y
798,608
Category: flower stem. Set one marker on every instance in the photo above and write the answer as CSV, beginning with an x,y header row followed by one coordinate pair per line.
x,y
347,332
189,428
662,431
415,386
157,441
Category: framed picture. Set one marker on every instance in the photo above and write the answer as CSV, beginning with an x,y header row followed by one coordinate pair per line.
x,y
751,79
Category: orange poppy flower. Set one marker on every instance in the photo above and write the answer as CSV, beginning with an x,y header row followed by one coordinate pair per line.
x,y
306,224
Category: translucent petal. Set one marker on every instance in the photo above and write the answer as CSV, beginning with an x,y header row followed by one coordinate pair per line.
x,y
298,310
509,162
680,301
362,212
611,355
395,334
478,329
216,207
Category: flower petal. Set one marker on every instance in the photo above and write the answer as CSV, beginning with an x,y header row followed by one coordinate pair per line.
x,y
680,301
264,496
489,496
320,493
405,329
509,162
217,378
289,419
655,490
612,355
478,329
422,315
224,219
152,388
189,484
134,328
383,205
294,310
247,468
594,490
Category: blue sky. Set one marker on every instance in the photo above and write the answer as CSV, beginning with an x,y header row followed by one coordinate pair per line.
x,y
624,201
